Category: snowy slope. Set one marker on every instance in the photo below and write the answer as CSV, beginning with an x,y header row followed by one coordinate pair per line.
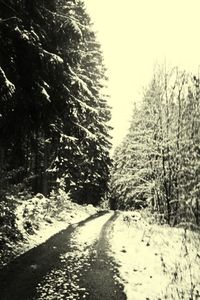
x,y
38,218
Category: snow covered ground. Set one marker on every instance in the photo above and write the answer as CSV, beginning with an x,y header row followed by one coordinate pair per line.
x,y
87,235
44,223
156,262
64,283
38,218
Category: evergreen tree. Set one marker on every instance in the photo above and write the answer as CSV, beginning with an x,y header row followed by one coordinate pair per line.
x,y
53,116
130,181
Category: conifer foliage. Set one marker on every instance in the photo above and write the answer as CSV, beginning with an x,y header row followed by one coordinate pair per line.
x,y
53,115
158,163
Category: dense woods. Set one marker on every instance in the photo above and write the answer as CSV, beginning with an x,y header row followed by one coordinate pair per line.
x,y
158,162
53,114
75,221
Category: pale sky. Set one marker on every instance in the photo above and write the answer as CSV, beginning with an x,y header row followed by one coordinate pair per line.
x,y
137,34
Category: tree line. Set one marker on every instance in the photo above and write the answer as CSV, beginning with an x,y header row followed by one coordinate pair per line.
x,y
158,163
53,112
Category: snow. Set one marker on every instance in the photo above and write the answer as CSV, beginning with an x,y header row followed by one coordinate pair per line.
x,y
81,83
7,83
35,35
155,262
64,283
46,95
87,107
67,137
89,134
87,235
25,36
75,25
44,223
46,85
54,57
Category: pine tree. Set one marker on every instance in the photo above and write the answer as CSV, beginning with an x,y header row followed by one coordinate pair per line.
x,y
53,91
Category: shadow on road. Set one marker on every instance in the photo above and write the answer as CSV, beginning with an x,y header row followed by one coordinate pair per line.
x,y
19,279
100,280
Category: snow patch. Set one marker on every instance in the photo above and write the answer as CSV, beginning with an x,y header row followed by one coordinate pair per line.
x,y
45,94
10,87
88,234
54,57
64,283
38,218
155,262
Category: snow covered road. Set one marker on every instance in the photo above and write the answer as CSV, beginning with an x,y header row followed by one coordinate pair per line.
x,y
87,272
112,255
73,264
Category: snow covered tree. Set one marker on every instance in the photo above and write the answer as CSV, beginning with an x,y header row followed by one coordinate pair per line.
x,y
52,123
159,160
88,171
130,177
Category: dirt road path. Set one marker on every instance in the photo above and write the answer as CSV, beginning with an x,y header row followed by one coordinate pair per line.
x,y
73,264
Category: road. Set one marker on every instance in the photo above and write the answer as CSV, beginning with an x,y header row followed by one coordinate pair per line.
x,y
73,264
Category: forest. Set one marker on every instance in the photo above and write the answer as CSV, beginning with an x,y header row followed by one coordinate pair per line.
x,y
76,216
54,116
55,133
53,113
158,163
